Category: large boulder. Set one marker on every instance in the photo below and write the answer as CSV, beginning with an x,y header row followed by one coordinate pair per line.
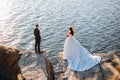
x,y
9,59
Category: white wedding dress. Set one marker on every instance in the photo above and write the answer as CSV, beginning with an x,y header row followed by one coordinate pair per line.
x,y
78,57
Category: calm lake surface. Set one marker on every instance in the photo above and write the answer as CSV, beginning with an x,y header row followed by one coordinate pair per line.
x,y
96,23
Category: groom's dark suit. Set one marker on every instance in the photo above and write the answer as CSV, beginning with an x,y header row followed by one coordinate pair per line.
x,y
37,39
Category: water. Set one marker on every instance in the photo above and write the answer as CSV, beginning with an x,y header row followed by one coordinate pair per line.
x,y
96,22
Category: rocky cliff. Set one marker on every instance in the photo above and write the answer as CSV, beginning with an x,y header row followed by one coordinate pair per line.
x,y
36,66
9,59
32,66
108,69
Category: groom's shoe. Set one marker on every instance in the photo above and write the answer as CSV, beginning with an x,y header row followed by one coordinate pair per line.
x,y
39,52
36,52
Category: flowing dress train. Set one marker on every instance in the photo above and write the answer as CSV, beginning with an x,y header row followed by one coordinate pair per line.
x,y
78,57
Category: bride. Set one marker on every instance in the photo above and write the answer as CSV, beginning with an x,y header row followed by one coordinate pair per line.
x,y
78,57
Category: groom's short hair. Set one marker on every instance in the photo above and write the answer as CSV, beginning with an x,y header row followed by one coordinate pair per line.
x,y
37,25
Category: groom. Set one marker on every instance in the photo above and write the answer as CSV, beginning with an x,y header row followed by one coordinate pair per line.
x,y
37,39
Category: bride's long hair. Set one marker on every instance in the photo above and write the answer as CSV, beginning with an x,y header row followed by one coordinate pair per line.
x,y
71,31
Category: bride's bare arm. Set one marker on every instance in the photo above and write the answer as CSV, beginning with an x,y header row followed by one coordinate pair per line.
x,y
67,34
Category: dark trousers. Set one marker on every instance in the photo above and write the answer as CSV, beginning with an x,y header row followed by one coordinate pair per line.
x,y
37,45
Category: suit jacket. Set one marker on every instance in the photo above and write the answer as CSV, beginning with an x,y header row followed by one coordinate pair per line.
x,y
37,34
